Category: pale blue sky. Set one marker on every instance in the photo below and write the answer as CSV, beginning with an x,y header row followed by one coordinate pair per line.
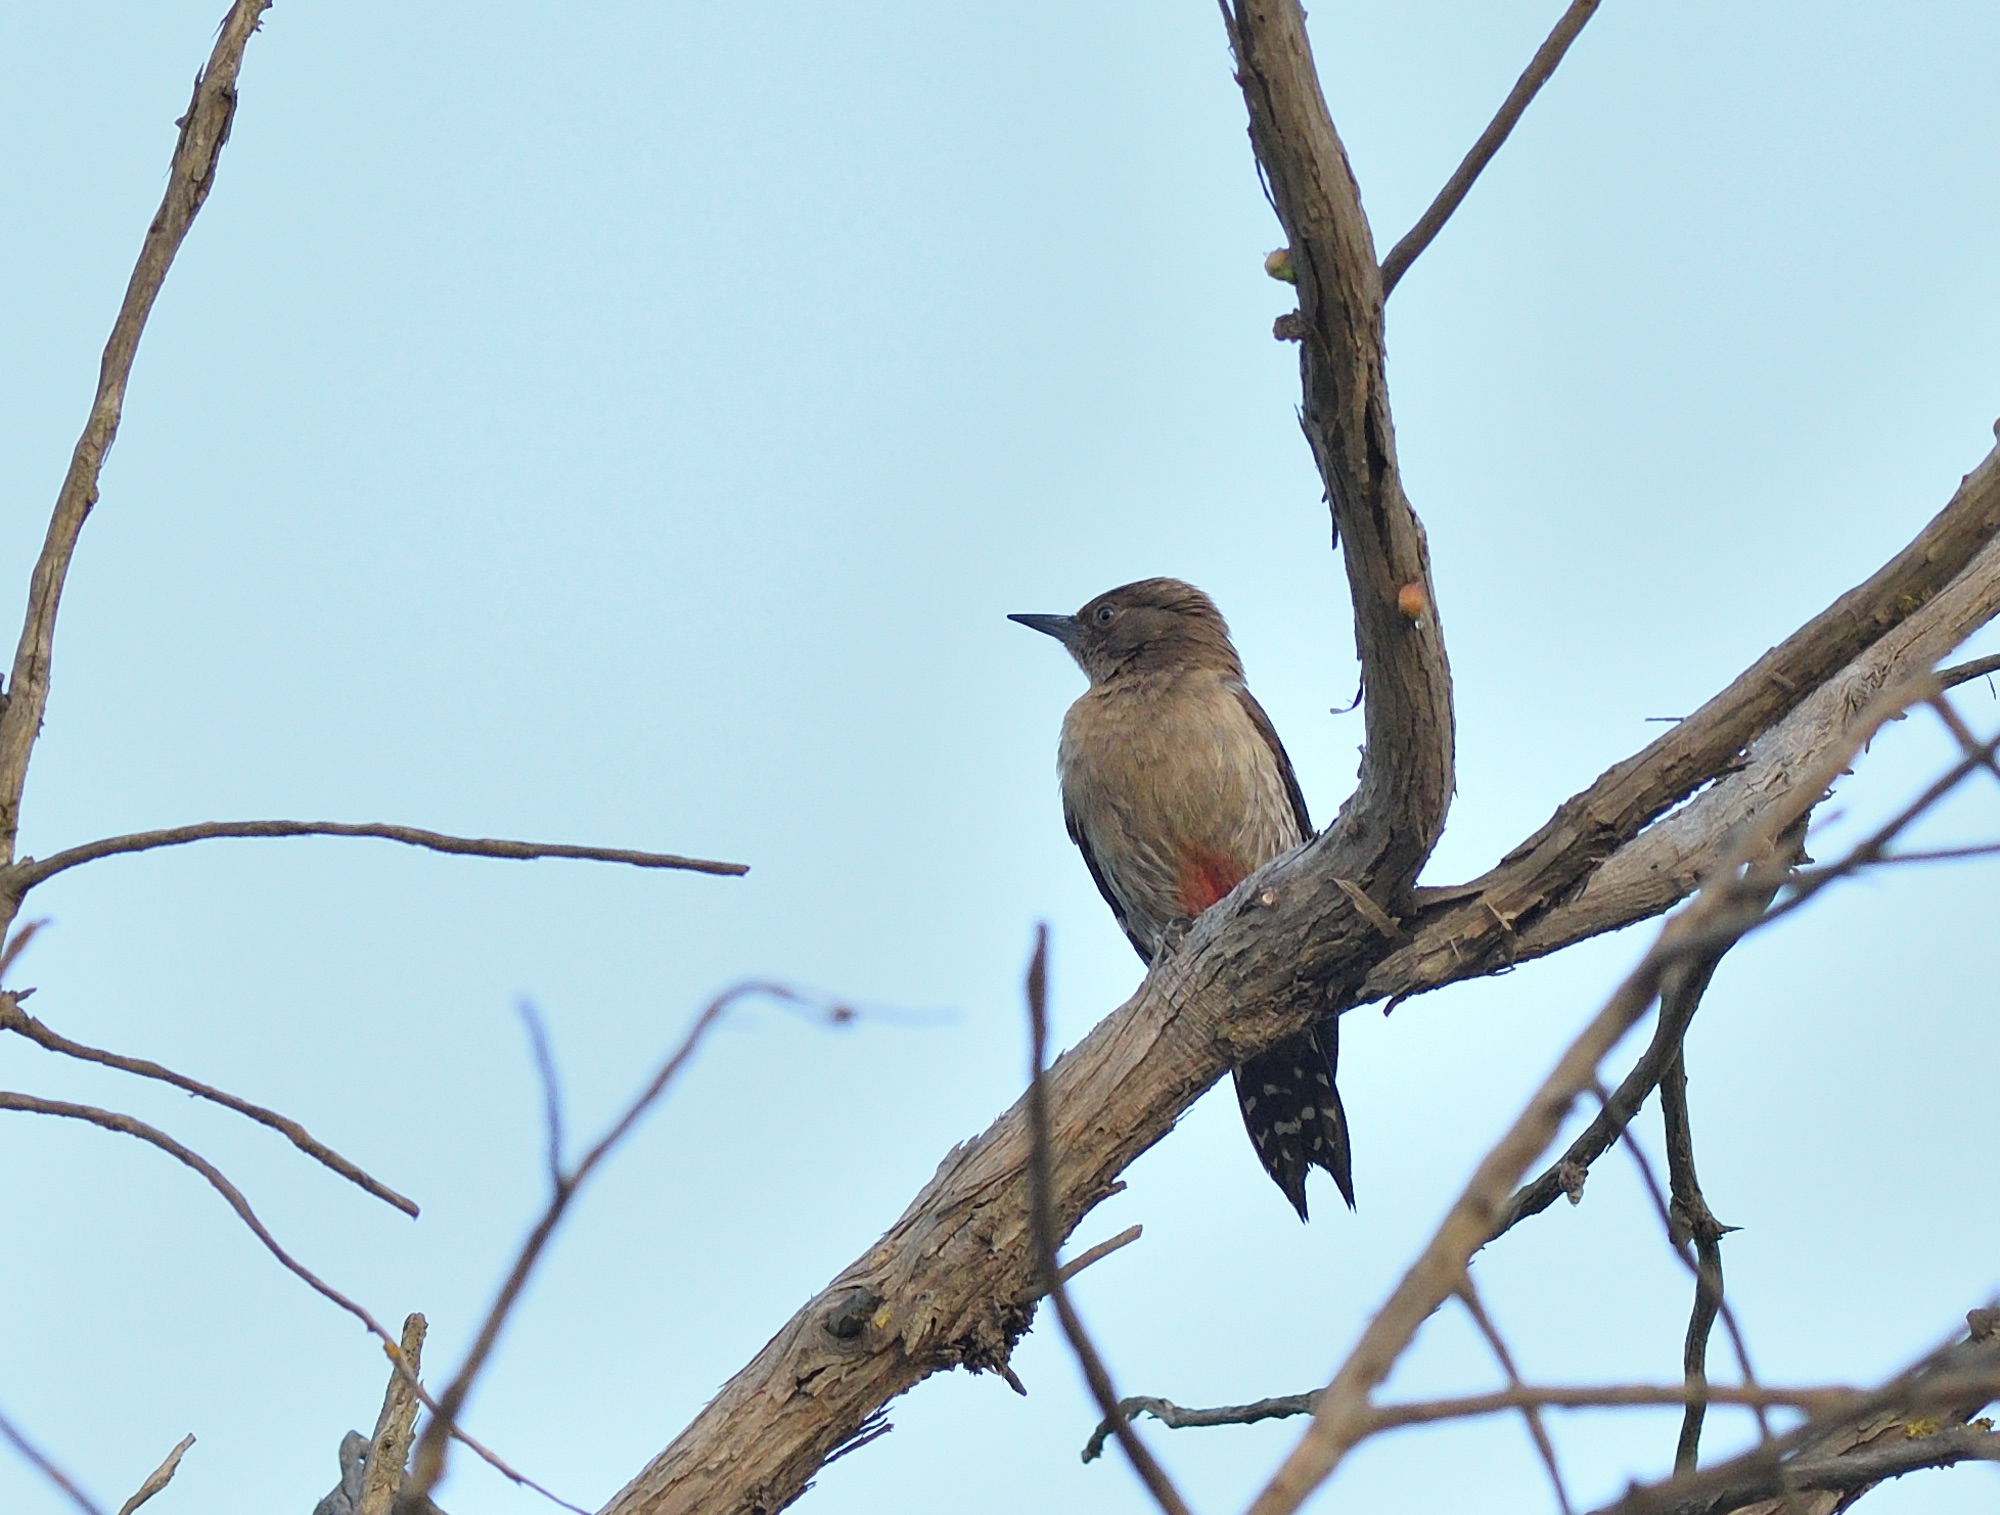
x,y
630,424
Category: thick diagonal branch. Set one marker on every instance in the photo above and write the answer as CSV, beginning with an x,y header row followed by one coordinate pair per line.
x,y
1729,906
952,1282
1564,882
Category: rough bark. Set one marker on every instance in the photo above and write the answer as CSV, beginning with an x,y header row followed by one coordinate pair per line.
x,y
954,1281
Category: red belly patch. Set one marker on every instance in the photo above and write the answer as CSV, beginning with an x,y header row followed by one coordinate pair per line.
x,y
1205,877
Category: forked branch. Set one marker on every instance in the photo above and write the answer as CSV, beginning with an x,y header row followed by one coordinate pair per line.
x,y
1701,933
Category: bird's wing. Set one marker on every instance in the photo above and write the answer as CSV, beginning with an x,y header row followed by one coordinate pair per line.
x,y
1082,840
1270,735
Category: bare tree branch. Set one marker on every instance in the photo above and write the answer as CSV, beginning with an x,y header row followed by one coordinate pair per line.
x,y
1704,928
1679,1242
110,1120
29,872
1181,1417
1697,1223
427,1464
14,1018
1099,1252
42,1464
395,1427
1471,1406
1965,673
160,1477
1396,813
1583,873
204,129
1539,69
1151,1474
1615,1112
1835,1449
1468,1294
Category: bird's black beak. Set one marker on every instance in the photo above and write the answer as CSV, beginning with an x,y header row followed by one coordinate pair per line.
x,y
1064,628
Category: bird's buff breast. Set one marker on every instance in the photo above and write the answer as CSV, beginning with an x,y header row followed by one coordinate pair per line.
x,y
1179,794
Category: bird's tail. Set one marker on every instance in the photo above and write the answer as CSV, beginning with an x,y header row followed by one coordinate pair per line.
x,y
1293,1113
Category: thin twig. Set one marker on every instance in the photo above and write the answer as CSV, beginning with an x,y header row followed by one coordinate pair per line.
x,y
545,1070
160,1477
1964,673
1099,1252
1178,1417
203,130
1680,998
1540,67
1567,1173
427,1463
111,1120
1390,1417
14,1018
1922,855
40,1460
17,944
1664,1211
29,872
1692,1217
1958,1377
1041,1211
873,1429
1468,1295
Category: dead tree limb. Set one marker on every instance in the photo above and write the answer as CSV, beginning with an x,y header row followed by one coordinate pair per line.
x,y
14,1018
1915,1420
29,872
1396,813
395,1427
204,129
952,1283
1156,1479
1702,932
160,1477
1538,72
1693,1219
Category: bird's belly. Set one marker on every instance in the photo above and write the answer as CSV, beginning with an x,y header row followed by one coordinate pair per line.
x,y
1179,802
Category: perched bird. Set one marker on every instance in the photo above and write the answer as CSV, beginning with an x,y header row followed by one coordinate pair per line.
x,y
1176,788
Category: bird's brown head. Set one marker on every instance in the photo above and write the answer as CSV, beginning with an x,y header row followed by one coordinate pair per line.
x,y
1153,626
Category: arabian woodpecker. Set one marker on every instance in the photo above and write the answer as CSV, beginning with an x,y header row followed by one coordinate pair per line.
x,y
1176,788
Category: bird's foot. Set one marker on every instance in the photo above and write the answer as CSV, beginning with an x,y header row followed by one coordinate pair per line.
x,y
1171,938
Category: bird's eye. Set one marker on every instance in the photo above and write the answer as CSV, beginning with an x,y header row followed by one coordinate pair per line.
x,y
1105,613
